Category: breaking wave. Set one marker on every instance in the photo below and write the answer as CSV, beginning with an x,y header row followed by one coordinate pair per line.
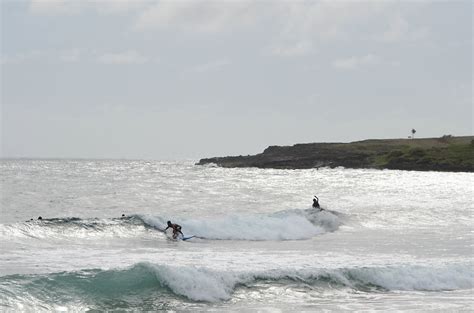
x,y
153,281
283,225
73,227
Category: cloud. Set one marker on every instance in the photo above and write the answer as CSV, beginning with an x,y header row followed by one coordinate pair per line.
x,y
212,66
325,19
70,56
68,7
293,50
121,6
283,21
76,55
199,16
55,7
355,62
22,57
289,19
400,30
286,28
127,57
65,56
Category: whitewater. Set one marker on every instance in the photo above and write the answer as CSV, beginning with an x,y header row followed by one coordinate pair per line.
x,y
384,241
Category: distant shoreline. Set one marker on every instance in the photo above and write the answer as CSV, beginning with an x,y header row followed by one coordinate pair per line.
x,y
447,154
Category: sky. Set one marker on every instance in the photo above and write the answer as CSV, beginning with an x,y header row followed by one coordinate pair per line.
x,y
156,79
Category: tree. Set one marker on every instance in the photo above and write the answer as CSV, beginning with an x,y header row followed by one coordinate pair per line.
x,y
413,131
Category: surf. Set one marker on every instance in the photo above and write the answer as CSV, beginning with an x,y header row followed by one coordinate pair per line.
x,y
73,228
296,224
98,288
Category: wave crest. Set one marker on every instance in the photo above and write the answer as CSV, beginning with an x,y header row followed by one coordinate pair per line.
x,y
283,225
73,227
203,284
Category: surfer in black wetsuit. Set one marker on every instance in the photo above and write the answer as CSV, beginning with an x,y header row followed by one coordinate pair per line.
x,y
316,203
176,229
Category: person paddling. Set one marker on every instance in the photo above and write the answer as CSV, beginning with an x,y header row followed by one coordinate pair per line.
x,y
176,229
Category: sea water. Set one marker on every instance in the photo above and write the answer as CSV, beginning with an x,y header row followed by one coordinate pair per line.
x,y
386,240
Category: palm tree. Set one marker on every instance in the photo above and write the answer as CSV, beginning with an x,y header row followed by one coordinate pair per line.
x,y
413,131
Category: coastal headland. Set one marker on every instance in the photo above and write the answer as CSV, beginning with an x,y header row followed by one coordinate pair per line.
x,y
447,153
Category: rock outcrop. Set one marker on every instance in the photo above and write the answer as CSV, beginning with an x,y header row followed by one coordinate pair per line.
x,y
447,153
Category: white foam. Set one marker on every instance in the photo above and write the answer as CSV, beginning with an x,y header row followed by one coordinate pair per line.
x,y
204,284
416,277
101,228
198,284
284,225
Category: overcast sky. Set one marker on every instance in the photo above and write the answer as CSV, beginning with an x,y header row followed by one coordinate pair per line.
x,y
191,79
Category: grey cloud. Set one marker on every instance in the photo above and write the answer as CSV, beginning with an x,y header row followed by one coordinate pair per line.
x,y
210,66
126,57
354,62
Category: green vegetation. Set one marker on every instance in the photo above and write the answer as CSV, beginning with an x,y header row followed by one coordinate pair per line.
x,y
447,153
451,155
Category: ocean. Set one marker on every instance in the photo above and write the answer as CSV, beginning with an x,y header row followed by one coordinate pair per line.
x,y
385,240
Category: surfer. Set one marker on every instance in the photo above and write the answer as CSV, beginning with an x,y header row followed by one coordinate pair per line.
x,y
316,203
176,229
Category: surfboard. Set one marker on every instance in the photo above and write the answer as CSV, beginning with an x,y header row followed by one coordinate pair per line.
x,y
186,238
169,235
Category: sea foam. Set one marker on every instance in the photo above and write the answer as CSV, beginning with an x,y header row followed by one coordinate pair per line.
x,y
73,228
283,225
204,284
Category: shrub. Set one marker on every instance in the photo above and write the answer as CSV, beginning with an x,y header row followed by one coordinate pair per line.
x,y
417,152
395,154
